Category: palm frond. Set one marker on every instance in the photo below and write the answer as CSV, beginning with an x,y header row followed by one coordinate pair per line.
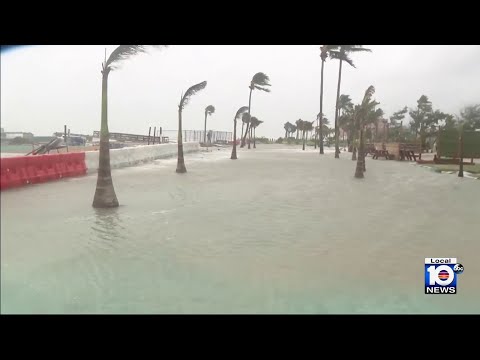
x,y
240,111
338,55
368,93
246,118
261,79
354,48
210,109
261,88
192,91
259,122
124,52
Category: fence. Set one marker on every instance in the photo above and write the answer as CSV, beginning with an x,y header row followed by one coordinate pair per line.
x,y
198,136
171,136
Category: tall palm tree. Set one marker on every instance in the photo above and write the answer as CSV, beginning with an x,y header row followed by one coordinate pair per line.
x,y
324,50
254,124
209,110
363,115
239,113
342,55
105,196
260,81
183,102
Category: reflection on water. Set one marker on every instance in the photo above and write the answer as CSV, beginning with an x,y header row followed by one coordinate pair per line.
x,y
107,228
275,231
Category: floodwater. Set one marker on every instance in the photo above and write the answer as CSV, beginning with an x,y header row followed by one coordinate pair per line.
x,y
277,231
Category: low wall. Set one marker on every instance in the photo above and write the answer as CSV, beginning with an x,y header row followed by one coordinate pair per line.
x,y
139,154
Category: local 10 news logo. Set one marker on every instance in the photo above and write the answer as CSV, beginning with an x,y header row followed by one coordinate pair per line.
x,y
441,275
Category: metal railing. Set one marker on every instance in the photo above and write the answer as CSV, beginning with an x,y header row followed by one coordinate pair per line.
x,y
171,136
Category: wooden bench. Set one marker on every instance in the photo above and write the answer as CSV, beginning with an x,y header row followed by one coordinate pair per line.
x,y
409,151
380,151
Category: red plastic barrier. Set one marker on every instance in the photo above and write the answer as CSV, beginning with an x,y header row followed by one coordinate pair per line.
x,y
13,171
23,170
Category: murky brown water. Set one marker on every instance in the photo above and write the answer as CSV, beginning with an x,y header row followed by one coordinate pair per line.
x,y
277,231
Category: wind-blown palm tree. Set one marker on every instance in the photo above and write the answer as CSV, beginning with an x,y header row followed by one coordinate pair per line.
x,y
245,120
306,127
254,124
183,102
260,81
105,196
298,123
342,55
363,113
239,113
209,110
324,50
287,126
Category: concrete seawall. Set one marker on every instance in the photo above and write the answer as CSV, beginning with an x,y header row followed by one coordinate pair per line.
x,y
139,154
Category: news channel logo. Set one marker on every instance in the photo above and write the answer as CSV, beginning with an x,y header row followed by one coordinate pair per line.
x,y
441,275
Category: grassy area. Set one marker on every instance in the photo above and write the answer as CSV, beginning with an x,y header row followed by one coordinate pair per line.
x,y
473,169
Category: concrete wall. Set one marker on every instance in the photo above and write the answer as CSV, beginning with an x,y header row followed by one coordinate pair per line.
x,y
139,154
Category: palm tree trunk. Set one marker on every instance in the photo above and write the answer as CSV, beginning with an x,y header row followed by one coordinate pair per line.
x,y
354,148
460,155
254,137
205,134
303,140
248,124
297,135
105,196
337,150
250,136
234,150
321,109
361,159
285,134
241,135
180,159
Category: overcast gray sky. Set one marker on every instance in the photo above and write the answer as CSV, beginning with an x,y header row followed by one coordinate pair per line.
x,y
45,87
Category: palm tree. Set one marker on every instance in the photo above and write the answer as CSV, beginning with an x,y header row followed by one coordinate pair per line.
x,y
183,102
259,82
245,120
363,114
324,50
306,127
342,55
298,123
287,126
253,126
354,126
240,111
105,196
209,110
293,129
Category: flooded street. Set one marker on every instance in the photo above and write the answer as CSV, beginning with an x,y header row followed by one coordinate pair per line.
x,y
279,230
